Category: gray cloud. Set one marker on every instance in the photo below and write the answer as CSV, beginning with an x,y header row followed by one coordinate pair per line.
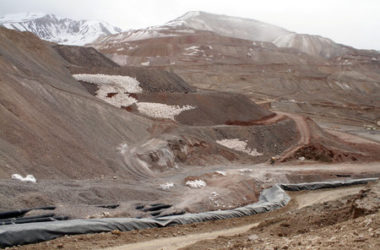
x,y
351,22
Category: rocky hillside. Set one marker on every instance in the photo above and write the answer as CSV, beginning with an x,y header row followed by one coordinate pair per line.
x,y
292,72
53,123
234,27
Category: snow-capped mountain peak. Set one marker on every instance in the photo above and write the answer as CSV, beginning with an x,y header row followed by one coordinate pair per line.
x,y
59,29
201,23
21,17
243,28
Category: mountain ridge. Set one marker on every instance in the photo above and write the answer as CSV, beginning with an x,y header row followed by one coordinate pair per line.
x,y
229,25
58,29
235,27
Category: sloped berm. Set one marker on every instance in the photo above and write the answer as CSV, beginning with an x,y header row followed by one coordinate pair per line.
x,y
270,199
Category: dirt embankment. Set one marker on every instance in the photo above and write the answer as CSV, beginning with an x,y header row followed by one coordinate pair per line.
x,y
348,222
80,56
211,108
344,218
51,127
317,144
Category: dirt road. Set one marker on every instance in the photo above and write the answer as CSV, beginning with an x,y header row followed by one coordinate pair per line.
x,y
302,199
183,241
304,132
307,212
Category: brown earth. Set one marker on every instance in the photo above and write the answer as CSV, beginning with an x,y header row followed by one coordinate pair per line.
x,y
51,126
342,89
329,222
317,144
79,56
85,152
213,108
56,130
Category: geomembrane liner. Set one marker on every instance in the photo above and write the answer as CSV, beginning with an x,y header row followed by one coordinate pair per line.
x,y
270,199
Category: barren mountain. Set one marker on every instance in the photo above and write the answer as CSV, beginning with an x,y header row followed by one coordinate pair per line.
x,y
177,130
312,44
58,29
243,28
235,27
136,122
292,72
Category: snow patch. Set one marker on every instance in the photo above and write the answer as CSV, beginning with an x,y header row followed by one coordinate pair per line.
x,y
347,62
193,51
122,148
115,95
167,186
223,173
196,51
196,184
238,145
159,110
113,89
192,48
129,84
28,178
251,52
343,86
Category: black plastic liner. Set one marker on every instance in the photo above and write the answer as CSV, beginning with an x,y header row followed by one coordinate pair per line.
x,y
270,199
31,219
21,212
320,185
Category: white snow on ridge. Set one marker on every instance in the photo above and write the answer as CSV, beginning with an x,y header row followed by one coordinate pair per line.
x,y
159,110
243,28
140,34
17,17
28,178
129,84
59,29
238,145
196,184
188,15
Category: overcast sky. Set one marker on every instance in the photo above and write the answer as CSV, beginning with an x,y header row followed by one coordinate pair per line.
x,y
352,22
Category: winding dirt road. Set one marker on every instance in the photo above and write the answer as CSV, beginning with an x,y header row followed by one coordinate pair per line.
x,y
302,199
304,131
